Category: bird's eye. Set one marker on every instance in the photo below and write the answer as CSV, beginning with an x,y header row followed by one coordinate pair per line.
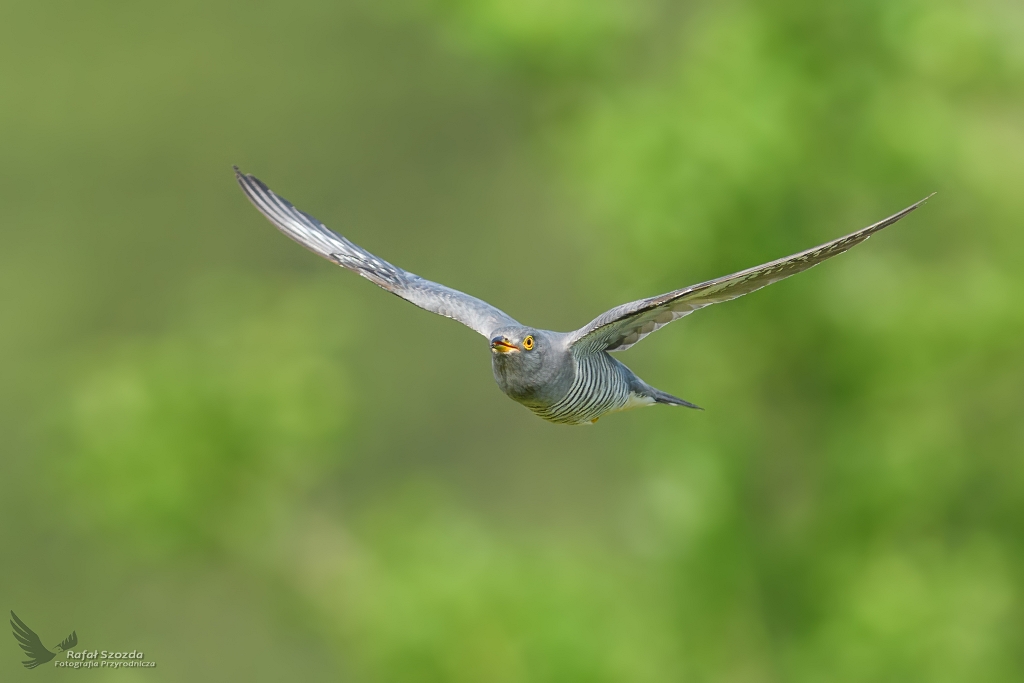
x,y
528,342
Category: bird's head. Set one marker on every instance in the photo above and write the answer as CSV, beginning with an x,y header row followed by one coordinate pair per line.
x,y
514,344
529,364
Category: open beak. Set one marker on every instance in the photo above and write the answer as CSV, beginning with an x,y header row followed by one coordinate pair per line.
x,y
502,345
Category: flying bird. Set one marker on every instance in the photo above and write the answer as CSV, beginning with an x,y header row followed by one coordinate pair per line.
x,y
563,377
33,646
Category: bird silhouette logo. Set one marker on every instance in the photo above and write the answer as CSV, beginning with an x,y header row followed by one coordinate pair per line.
x,y
33,646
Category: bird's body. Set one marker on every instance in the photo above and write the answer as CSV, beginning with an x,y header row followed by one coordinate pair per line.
x,y
563,377
600,385
570,387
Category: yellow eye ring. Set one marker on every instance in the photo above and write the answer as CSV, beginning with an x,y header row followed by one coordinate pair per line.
x,y
528,342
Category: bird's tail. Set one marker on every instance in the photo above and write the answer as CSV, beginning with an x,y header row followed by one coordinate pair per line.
x,y
642,388
668,399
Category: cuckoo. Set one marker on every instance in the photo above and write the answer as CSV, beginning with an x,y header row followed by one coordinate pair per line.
x,y
564,377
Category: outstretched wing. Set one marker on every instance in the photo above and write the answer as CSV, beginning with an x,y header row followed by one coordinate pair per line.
x,y
625,325
30,643
69,642
315,236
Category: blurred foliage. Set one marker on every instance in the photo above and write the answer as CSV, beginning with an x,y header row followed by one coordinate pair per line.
x,y
254,466
547,40
234,411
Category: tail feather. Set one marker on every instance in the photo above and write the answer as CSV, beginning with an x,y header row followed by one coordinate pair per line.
x,y
642,388
668,399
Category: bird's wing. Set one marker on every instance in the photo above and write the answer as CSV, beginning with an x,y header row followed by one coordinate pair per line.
x,y
315,236
625,325
69,642
30,643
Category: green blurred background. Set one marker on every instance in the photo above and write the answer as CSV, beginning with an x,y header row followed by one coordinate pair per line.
x,y
252,465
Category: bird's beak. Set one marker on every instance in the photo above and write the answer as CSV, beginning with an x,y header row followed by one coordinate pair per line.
x,y
502,345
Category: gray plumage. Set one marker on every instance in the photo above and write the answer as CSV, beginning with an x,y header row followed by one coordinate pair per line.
x,y
568,378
